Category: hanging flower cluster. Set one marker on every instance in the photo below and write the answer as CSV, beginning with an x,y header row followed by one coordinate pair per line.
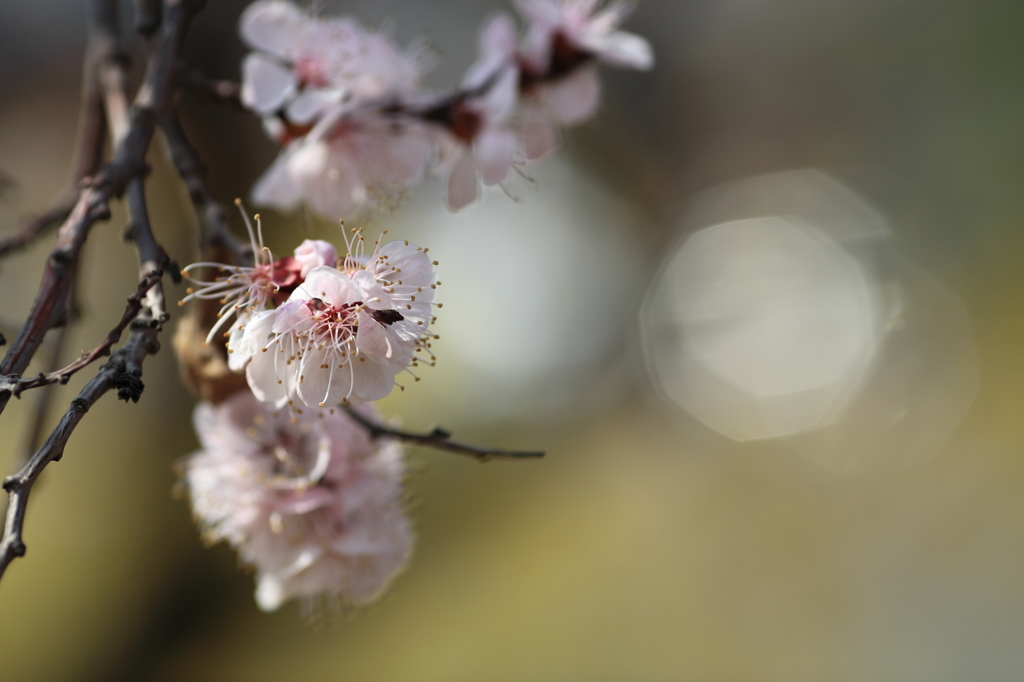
x,y
309,501
357,127
294,484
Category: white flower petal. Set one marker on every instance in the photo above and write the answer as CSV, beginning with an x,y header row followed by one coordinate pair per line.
x,y
266,85
278,187
271,25
622,49
311,103
374,378
262,375
325,386
332,286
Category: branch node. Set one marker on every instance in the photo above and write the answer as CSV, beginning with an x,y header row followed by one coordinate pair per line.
x,y
129,387
80,405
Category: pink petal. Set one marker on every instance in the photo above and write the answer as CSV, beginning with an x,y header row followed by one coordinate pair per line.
x,y
541,11
462,185
494,150
500,101
266,85
575,97
539,133
498,45
313,252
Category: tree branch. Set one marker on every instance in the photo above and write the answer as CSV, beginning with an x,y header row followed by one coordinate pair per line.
x,y
89,144
123,372
439,439
50,307
137,302
213,230
222,91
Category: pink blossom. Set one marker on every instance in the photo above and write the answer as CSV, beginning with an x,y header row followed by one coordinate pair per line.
x,y
350,163
563,40
344,335
563,33
482,142
312,253
247,292
310,501
304,65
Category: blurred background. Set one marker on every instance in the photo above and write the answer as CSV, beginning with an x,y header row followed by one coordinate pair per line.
x,y
765,314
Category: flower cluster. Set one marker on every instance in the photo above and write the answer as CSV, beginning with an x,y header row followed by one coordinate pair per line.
x,y
294,484
309,501
356,125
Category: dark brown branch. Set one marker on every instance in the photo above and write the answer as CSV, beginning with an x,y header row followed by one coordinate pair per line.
x,y
122,372
37,422
137,302
50,306
37,225
147,17
439,439
213,230
222,91
91,138
152,257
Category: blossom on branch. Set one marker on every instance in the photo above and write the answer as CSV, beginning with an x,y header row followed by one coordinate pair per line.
x,y
481,141
321,86
357,129
352,162
310,501
248,291
560,80
346,332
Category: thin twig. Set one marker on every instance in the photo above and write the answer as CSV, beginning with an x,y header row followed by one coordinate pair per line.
x,y
137,302
440,439
41,406
213,230
222,91
121,372
89,144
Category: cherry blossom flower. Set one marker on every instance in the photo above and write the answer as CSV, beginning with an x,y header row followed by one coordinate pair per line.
x,y
344,334
351,163
309,500
483,143
564,33
248,291
564,38
305,65
322,86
